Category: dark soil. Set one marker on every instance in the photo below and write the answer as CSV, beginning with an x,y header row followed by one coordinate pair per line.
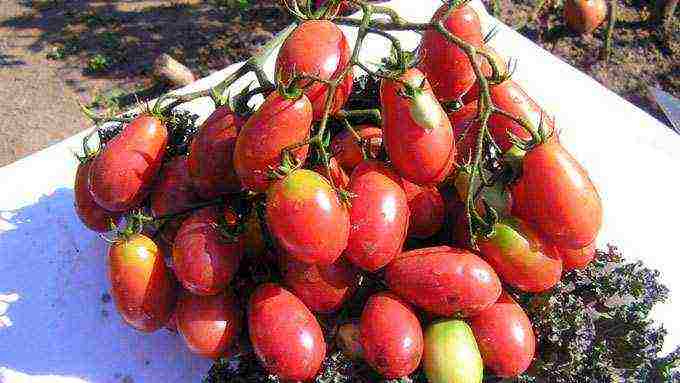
x,y
641,56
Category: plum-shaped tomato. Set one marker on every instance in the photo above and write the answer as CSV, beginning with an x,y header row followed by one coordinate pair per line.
x,y
444,280
280,122
505,338
378,216
576,258
208,324
122,173
205,259
451,354
338,175
302,210
285,335
142,287
391,336
172,193
555,195
323,288
446,65
93,216
426,205
347,150
319,48
520,257
584,16
416,131
211,158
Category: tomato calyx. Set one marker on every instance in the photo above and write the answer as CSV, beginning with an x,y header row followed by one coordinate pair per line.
x,y
288,164
423,106
230,225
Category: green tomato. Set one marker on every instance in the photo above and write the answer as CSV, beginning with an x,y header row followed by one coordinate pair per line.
x,y
451,354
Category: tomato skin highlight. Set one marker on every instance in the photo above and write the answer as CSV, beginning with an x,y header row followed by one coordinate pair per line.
x,y
211,158
204,260
338,175
172,193
573,259
302,209
209,324
323,289
122,173
93,216
451,354
427,210
520,258
444,280
378,216
447,67
555,195
278,123
505,339
141,285
319,48
285,335
390,335
584,16
417,133
347,151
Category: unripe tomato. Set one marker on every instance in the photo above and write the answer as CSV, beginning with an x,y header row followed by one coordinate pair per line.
x,y
576,258
285,335
93,216
555,195
319,48
444,280
447,66
122,173
416,131
323,289
172,193
280,122
505,339
208,324
211,158
338,175
141,285
520,258
426,206
390,335
584,16
347,150
302,209
204,259
451,354
378,216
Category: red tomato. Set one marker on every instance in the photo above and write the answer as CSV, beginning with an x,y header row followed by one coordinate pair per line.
x,y
347,150
446,65
211,158
444,280
473,94
340,178
505,339
280,122
285,334
465,132
576,258
426,205
208,324
584,16
124,170
391,336
323,289
172,193
93,216
417,133
204,259
141,285
555,195
520,258
302,209
319,48
378,216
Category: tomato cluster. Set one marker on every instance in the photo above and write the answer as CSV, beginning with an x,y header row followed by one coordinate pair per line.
x,y
389,203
